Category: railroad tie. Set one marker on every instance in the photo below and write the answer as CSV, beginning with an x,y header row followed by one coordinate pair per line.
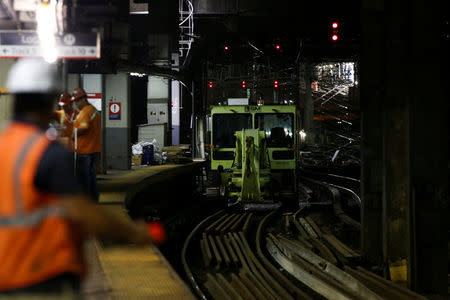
x,y
299,228
230,223
241,288
314,226
215,251
207,250
309,229
225,256
244,265
247,223
224,223
236,225
231,251
202,249
249,284
215,289
228,287
214,224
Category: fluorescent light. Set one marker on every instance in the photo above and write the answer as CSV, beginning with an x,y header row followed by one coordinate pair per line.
x,y
138,74
46,28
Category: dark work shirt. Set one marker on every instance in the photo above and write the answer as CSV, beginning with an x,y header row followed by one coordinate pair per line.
x,y
55,172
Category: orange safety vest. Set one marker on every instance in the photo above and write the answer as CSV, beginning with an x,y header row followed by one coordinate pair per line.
x,y
37,242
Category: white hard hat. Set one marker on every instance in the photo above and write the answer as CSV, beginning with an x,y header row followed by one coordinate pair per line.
x,y
32,75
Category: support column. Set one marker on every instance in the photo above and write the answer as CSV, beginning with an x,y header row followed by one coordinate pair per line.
x,y
404,146
118,148
159,105
6,100
308,115
175,112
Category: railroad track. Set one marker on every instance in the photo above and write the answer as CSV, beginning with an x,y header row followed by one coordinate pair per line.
x,y
280,255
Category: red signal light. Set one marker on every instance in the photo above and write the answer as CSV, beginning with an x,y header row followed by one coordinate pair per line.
x,y
210,84
226,48
334,37
278,47
335,25
243,84
275,84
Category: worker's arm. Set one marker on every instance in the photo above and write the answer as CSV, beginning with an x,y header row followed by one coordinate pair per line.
x,y
82,131
82,123
97,221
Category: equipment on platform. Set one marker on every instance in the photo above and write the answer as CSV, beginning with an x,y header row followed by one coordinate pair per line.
x,y
253,152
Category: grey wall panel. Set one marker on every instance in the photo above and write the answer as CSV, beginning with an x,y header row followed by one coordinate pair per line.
x,y
117,148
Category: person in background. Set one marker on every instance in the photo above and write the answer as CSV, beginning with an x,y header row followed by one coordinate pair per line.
x,y
87,132
66,117
44,216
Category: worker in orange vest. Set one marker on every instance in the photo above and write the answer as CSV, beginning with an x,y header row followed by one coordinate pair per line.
x,y
44,215
87,129
66,117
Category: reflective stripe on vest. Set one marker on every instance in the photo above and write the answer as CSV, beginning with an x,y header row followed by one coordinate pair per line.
x,y
93,115
37,216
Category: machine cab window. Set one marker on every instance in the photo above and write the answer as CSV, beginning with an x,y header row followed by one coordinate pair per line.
x,y
278,128
225,125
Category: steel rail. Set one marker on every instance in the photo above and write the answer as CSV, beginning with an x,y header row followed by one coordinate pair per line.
x,y
319,286
286,282
341,276
268,277
254,273
186,268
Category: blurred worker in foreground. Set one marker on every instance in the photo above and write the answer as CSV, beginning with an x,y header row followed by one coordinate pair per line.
x,y
44,216
87,135
66,117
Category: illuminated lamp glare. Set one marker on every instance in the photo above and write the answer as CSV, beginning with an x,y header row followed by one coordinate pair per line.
x,y
46,29
334,37
277,47
335,25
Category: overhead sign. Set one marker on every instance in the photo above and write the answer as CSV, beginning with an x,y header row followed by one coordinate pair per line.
x,y
95,99
114,110
14,44
25,5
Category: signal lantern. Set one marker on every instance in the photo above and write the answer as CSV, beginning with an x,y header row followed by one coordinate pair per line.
x,y
226,48
243,84
334,32
275,84
277,47
210,84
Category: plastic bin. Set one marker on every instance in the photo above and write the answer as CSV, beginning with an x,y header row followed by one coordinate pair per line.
x,y
148,155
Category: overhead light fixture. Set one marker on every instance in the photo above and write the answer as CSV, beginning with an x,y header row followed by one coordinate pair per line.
x,y
137,74
47,28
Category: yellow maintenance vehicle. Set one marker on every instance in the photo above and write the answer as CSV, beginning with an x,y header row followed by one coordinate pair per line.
x,y
254,153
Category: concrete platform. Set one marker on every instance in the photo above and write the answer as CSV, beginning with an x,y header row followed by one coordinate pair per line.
x,y
127,271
